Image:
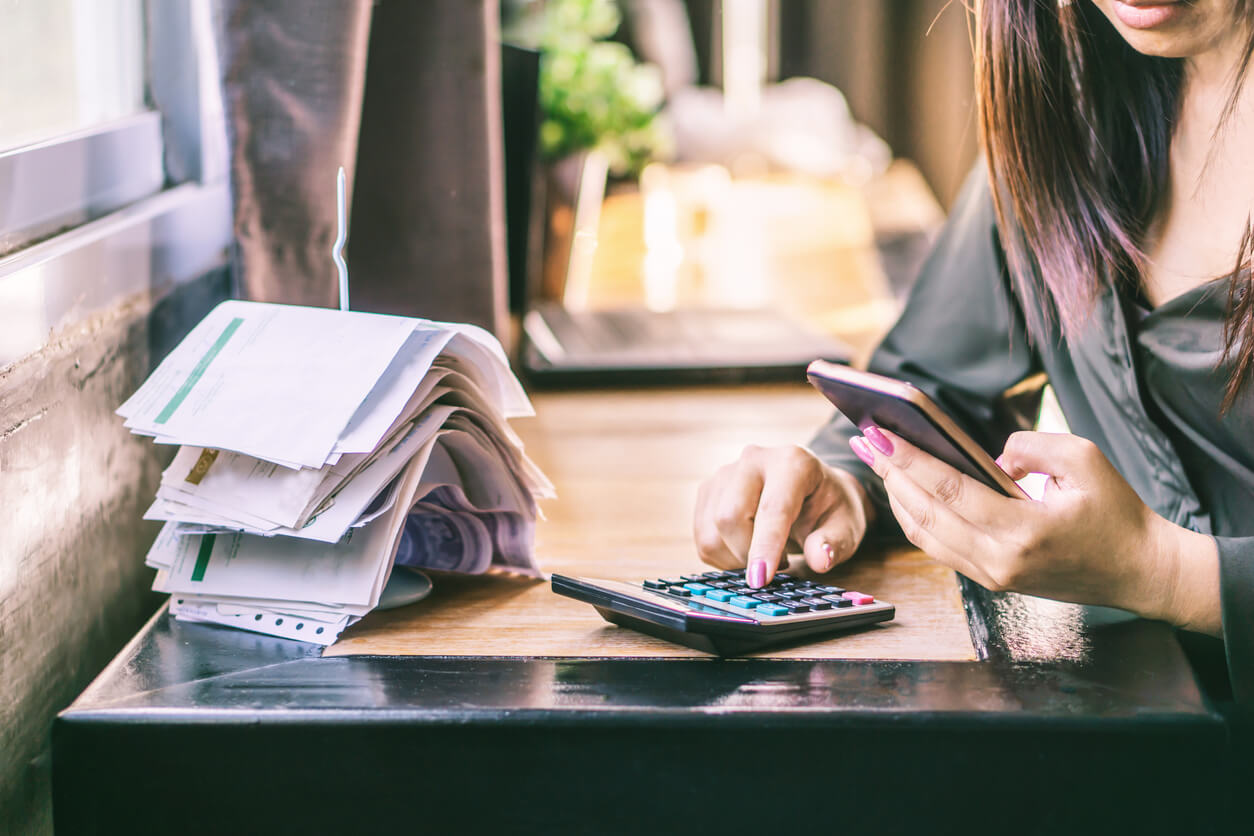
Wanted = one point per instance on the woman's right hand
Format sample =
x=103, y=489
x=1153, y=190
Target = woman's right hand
x=749, y=511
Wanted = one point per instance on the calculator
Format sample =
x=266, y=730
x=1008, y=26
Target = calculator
x=719, y=613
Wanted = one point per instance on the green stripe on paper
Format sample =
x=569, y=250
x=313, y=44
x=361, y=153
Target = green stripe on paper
x=202, y=558
x=199, y=371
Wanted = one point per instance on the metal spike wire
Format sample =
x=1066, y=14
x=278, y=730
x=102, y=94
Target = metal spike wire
x=341, y=235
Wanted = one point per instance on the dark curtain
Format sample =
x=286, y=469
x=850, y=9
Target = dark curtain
x=428, y=233
x=292, y=80
x=406, y=96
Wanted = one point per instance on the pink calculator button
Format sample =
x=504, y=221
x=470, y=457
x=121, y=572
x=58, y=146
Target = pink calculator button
x=859, y=597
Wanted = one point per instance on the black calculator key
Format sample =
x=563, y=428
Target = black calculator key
x=674, y=582
x=692, y=578
x=817, y=603
x=717, y=584
x=680, y=591
x=833, y=590
x=655, y=584
x=767, y=597
x=838, y=601
x=782, y=577
x=794, y=606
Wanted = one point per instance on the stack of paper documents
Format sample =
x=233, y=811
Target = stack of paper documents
x=318, y=447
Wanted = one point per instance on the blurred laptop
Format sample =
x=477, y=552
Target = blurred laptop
x=689, y=345
x=564, y=346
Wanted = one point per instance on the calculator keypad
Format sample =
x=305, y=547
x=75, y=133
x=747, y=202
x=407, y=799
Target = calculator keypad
x=784, y=595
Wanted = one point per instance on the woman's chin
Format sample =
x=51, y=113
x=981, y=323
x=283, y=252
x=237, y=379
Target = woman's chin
x=1157, y=44
x=1168, y=30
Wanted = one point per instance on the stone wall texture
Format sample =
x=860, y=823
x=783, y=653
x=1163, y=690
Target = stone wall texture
x=73, y=487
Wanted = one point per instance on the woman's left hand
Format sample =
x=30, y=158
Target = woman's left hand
x=1090, y=539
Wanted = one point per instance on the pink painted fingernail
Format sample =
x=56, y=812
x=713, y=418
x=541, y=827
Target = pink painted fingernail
x=757, y=573
x=831, y=556
x=879, y=440
x=861, y=450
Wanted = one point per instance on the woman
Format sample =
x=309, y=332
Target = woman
x=1119, y=136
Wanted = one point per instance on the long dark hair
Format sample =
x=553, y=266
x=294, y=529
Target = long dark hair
x=1077, y=128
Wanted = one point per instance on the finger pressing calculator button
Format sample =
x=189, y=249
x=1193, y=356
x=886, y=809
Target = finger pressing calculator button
x=859, y=598
x=772, y=609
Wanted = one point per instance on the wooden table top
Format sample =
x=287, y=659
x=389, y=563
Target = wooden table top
x=626, y=465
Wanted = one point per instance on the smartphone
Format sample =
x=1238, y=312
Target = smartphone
x=874, y=400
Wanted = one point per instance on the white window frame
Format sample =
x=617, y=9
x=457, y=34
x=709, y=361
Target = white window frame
x=64, y=182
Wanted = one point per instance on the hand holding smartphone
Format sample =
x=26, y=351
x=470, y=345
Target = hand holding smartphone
x=874, y=400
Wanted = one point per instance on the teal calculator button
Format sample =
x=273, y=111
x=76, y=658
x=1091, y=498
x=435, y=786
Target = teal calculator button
x=744, y=602
x=772, y=609
x=697, y=588
x=719, y=595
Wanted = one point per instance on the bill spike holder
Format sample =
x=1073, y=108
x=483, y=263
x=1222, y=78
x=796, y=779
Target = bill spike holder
x=405, y=585
x=341, y=236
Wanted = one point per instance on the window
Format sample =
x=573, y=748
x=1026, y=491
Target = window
x=68, y=65
x=111, y=158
